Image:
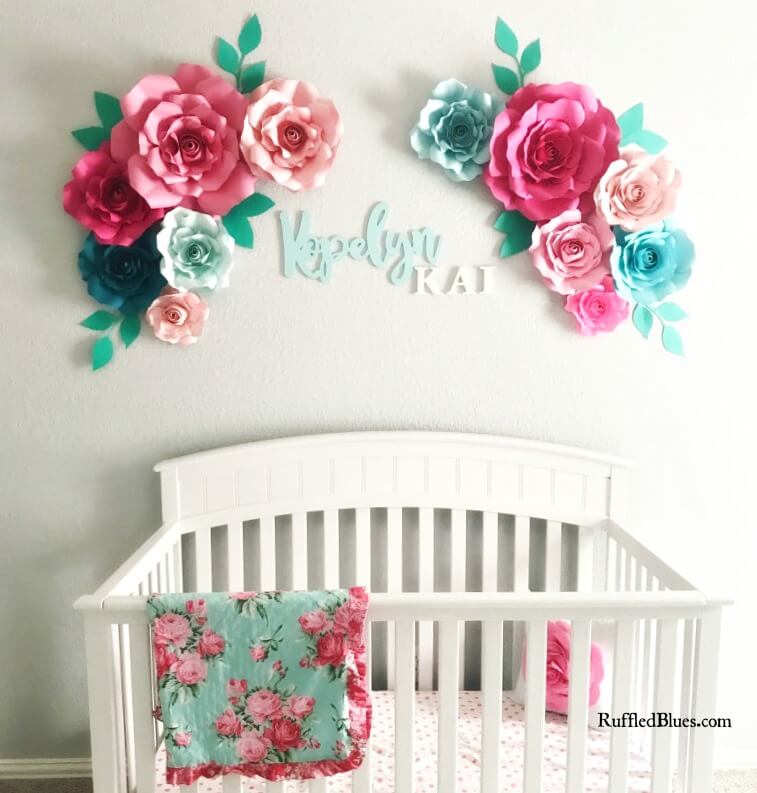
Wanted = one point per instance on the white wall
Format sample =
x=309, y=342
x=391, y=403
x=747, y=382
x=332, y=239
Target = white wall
x=290, y=356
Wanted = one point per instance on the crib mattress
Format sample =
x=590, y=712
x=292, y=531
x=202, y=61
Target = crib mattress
x=469, y=738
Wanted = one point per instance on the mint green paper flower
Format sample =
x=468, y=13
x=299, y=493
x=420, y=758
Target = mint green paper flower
x=454, y=129
x=197, y=250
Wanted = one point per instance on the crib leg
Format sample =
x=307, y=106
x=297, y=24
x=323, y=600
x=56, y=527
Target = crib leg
x=704, y=688
x=98, y=637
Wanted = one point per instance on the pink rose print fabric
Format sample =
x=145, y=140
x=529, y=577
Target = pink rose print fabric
x=265, y=684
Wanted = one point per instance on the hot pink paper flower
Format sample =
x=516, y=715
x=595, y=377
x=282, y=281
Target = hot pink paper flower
x=291, y=134
x=190, y=669
x=178, y=316
x=100, y=197
x=549, y=148
x=570, y=253
x=180, y=139
x=263, y=705
x=171, y=629
x=599, y=309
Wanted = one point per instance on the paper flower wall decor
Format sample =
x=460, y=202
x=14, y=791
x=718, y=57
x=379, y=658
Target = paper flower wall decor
x=170, y=181
x=587, y=194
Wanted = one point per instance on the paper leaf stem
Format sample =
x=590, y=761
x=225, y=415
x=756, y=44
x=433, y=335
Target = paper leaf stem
x=108, y=110
x=632, y=130
x=251, y=77
x=531, y=57
x=631, y=121
x=670, y=312
x=649, y=141
x=100, y=320
x=90, y=137
x=250, y=35
x=102, y=352
x=227, y=56
x=507, y=80
x=240, y=229
x=643, y=319
x=505, y=38
x=253, y=205
x=129, y=329
x=518, y=230
x=671, y=340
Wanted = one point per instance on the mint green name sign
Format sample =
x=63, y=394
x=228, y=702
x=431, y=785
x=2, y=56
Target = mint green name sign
x=396, y=252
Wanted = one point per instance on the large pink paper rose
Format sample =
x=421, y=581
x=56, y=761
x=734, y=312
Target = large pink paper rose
x=599, y=309
x=100, y=197
x=549, y=148
x=570, y=253
x=558, y=668
x=180, y=138
x=291, y=134
x=178, y=316
x=637, y=190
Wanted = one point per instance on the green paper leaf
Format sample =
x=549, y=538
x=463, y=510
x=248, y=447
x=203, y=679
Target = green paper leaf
x=670, y=312
x=100, y=320
x=505, y=38
x=672, y=341
x=631, y=121
x=226, y=56
x=649, y=141
x=102, y=352
x=643, y=319
x=531, y=57
x=518, y=230
x=250, y=35
x=240, y=229
x=252, y=76
x=108, y=109
x=253, y=205
x=129, y=329
x=507, y=80
x=90, y=137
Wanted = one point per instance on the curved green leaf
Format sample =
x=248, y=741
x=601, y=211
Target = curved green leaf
x=518, y=230
x=100, y=320
x=253, y=205
x=102, y=352
x=672, y=341
x=649, y=141
x=670, y=312
x=505, y=38
x=507, y=80
x=90, y=137
x=129, y=329
x=643, y=319
x=252, y=76
x=531, y=57
x=226, y=56
x=108, y=109
x=631, y=121
x=240, y=229
x=250, y=35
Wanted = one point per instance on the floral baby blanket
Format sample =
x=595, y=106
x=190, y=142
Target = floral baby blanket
x=269, y=684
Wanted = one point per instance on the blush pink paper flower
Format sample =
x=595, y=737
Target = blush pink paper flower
x=291, y=134
x=178, y=316
x=100, y=197
x=180, y=139
x=549, y=148
x=637, y=190
x=570, y=253
x=599, y=309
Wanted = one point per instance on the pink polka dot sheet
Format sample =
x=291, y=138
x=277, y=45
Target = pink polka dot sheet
x=469, y=742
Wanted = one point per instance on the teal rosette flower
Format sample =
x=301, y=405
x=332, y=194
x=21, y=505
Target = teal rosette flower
x=126, y=278
x=454, y=129
x=650, y=264
x=197, y=250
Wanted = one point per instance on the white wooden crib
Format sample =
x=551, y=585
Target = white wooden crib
x=465, y=541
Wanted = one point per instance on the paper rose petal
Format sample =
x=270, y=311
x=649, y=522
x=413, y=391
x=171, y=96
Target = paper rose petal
x=178, y=316
x=599, y=309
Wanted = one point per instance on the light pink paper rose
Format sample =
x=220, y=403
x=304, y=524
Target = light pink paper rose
x=180, y=139
x=171, y=629
x=291, y=134
x=190, y=669
x=252, y=747
x=637, y=190
x=570, y=253
x=263, y=704
x=549, y=148
x=178, y=316
x=599, y=309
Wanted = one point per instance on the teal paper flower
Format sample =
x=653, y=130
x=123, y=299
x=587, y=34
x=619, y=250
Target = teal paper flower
x=454, y=129
x=197, y=250
x=650, y=264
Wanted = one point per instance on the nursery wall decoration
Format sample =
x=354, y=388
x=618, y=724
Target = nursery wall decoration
x=169, y=183
x=587, y=194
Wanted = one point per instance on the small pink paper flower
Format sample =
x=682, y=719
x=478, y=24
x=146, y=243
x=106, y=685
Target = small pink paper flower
x=599, y=309
x=258, y=653
x=291, y=134
x=178, y=316
x=190, y=669
x=183, y=738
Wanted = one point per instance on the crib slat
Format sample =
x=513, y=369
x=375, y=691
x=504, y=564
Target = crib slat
x=489, y=560
x=232, y=783
x=536, y=663
x=276, y=787
x=128, y=700
x=363, y=547
x=621, y=703
x=203, y=560
x=425, y=584
x=685, y=708
x=522, y=539
x=491, y=696
x=178, y=567
x=331, y=549
x=404, y=705
x=162, y=575
x=448, y=679
x=299, y=553
x=585, y=557
x=457, y=582
x=235, y=552
x=141, y=681
x=599, y=562
x=554, y=556
x=318, y=786
x=578, y=704
x=267, y=554
x=393, y=578
x=664, y=696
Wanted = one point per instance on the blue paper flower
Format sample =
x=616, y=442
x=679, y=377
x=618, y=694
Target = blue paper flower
x=123, y=278
x=454, y=129
x=650, y=264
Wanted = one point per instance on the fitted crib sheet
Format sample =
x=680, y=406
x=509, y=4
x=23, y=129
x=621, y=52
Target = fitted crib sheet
x=469, y=738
